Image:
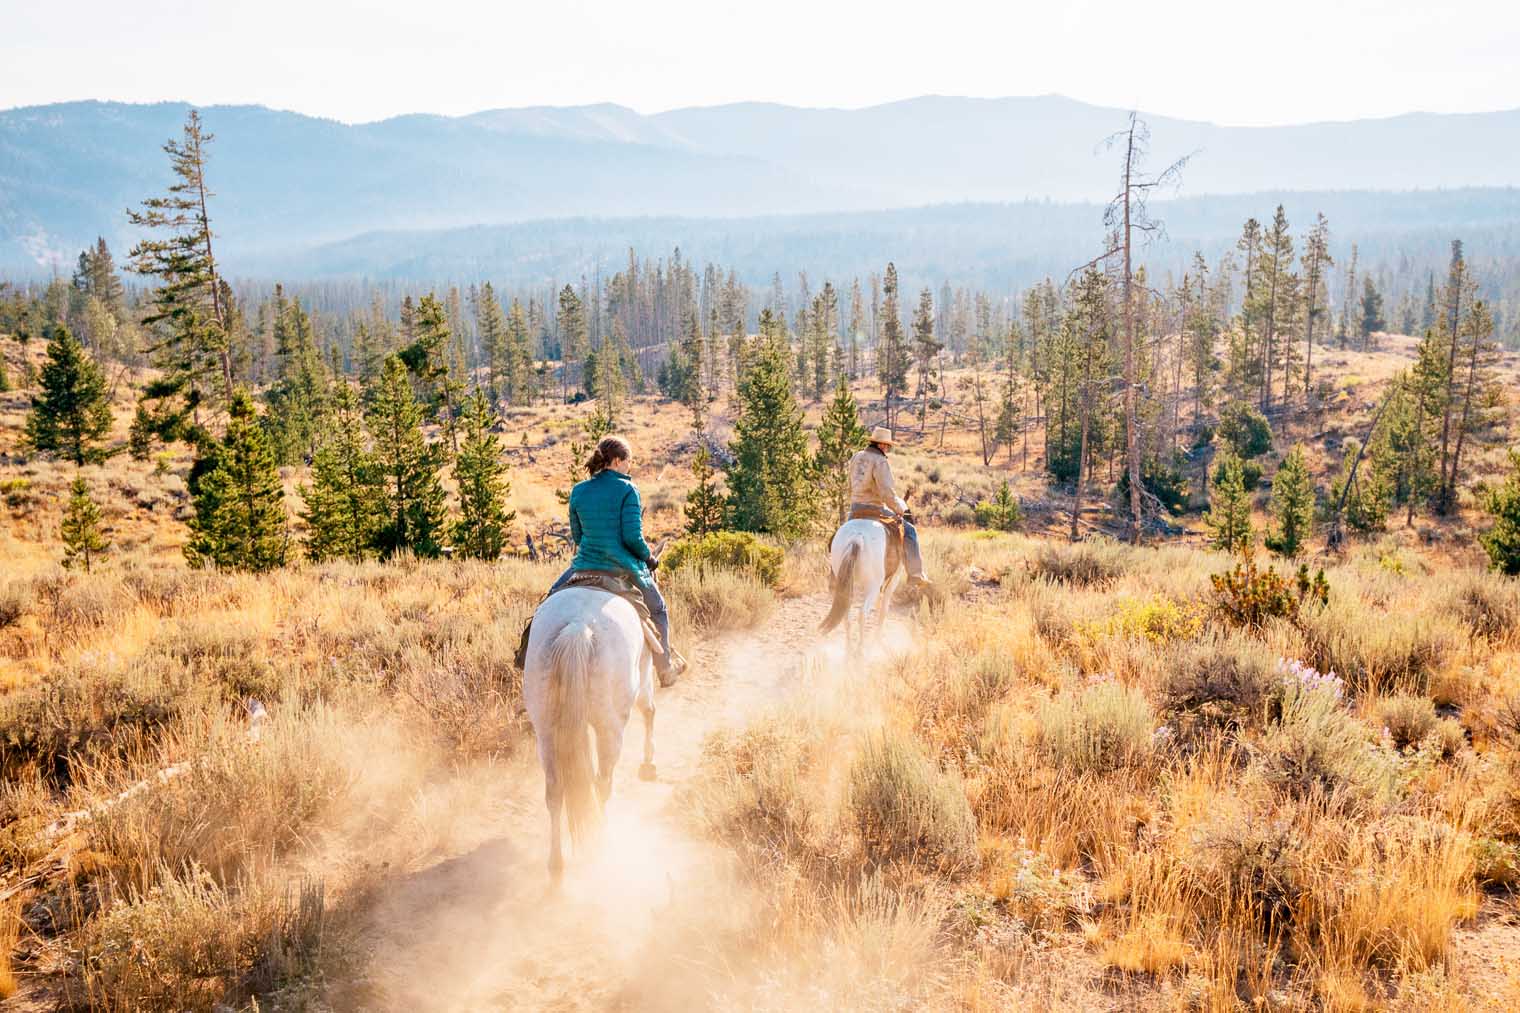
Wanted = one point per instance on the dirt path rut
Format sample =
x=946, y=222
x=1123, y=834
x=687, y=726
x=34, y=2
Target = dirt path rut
x=481, y=930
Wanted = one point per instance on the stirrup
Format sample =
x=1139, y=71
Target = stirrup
x=672, y=670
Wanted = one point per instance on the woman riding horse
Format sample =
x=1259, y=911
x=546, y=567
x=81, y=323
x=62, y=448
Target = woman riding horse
x=607, y=527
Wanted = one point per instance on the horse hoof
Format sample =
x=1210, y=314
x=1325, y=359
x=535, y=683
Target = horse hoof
x=646, y=772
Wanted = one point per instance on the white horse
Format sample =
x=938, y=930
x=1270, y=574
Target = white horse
x=858, y=562
x=587, y=666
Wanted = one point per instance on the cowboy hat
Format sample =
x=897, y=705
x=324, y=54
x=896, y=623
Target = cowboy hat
x=882, y=435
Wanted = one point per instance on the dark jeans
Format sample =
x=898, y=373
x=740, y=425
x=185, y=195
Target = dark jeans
x=653, y=600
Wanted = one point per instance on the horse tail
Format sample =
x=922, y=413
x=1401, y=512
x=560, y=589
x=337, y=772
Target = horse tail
x=569, y=716
x=844, y=588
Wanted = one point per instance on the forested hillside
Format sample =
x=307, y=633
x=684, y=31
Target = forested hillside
x=285, y=181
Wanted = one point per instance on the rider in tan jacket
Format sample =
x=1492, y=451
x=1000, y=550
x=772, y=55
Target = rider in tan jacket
x=871, y=485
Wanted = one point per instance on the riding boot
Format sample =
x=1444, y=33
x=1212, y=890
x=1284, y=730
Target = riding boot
x=668, y=664
x=913, y=559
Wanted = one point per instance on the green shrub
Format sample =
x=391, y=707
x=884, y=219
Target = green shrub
x=1103, y=727
x=907, y=808
x=1250, y=596
x=730, y=550
x=1001, y=513
x=1245, y=430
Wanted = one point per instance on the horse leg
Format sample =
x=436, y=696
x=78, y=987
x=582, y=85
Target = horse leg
x=554, y=801
x=866, y=605
x=609, y=744
x=646, y=708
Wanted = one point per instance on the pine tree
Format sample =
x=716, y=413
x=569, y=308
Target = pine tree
x=840, y=435
x=572, y=336
x=770, y=481
x=414, y=500
x=519, y=379
x=427, y=357
x=1401, y=447
x=1278, y=298
x=892, y=358
x=1292, y=505
x=190, y=312
x=296, y=397
x=1230, y=506
x=1477, y=390
x=82, y=540
x=480, y=532
x=1366, y=501
x=344, y=509
x=1316, y=259
x=239, y=521
x=925, y=348
x=704, y=503
x=1371, y=319
x=1502, y=541
x=72, y=413
x=494, y=343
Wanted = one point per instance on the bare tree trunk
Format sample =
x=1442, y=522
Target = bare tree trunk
x=1131, y=440
x=1443, y=495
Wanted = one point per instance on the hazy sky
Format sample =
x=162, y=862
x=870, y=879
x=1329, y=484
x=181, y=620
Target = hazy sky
x=1222, y=60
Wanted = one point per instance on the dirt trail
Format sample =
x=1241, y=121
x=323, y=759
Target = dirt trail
x=482, y=931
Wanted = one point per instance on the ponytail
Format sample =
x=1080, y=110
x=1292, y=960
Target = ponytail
x=609, y=451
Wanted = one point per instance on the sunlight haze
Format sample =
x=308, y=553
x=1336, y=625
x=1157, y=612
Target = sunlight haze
x=358, y=62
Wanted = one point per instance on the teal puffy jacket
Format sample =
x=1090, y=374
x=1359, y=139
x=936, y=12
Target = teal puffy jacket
x=607, y=526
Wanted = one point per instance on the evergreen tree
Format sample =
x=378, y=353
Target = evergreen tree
x=494, y=343
x=72, y=412
x=1366, y=501
x=1502, y=541
x=892, y=358
x=1372, y=312
x=414, y=499
x=344, y=509
x=1278, y=298
x=82, y=540
x=1401, y=447
x=519, y=381
x=239, y=521
x=925, y=350
x=427, y=357
x=1230, y=506
x=770, y=481
x=190, y=312
x=840, y=435
x=300, y=386
x=1316, y=260
x=1292, y=505
x=704, y=503
x=480, y=532
x=572, y=336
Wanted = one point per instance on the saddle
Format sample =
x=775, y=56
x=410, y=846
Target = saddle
x=622, y=585
x=894, y=525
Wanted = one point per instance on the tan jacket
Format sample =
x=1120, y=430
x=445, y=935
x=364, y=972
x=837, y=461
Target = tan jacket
x=871, y=481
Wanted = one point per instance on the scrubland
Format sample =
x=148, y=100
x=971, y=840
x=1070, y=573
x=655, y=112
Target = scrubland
x=1064, y=781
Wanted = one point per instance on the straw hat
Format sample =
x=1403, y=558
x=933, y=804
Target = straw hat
x=882, y=435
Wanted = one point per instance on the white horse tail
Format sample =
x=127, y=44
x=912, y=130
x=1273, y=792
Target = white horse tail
x=569, y=716
x=844, y=588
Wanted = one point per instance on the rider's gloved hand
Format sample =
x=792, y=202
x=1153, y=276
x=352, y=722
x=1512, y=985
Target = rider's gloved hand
x=654, y=562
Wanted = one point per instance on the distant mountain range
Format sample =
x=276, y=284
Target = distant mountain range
x=288, y=186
